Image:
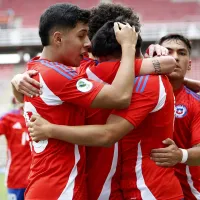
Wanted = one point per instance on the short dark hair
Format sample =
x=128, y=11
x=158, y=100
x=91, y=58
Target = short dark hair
x=108, y=12
x=60, y=16
x=104, y=41
x=176, y=37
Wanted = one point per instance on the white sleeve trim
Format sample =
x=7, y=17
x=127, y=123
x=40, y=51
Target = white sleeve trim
x=93, y=76
x=162, y=96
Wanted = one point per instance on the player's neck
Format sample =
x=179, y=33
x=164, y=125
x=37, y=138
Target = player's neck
x=48, y=54
x=176, y=84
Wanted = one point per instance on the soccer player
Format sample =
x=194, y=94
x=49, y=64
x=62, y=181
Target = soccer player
x=149, y=119
x=58, y=168
x=13, y=126
x=184, y=151
x=101, y=188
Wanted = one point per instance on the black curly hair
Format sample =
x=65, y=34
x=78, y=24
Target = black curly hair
x=104, y=41
x=61, y=15
x=107, y=12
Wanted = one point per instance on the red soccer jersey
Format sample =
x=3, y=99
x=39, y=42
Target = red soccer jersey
x=186, y=135
x=152, y=114
x=13, y=126
x=104, y=184
x=58, y=168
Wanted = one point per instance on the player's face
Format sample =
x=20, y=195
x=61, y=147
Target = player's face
x=74, y=45
x=179, y=51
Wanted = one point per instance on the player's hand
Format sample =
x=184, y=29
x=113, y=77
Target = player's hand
x=39, y=128
x=168, y=156
x=125, y=34
x=26, y=85
x=156, y=50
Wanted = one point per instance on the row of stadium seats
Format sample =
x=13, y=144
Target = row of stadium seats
x=150, y=11
x=165, y=10
x=30, y=11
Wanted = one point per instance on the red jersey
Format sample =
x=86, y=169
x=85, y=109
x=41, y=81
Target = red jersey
x=58, y=167
x=103, y=185
x=186, y=135
x=152, y=114
x=13, y=126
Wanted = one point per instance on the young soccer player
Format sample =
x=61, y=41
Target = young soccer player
x=105, y=185
x=152, y=104
x=63, y=32
x=13, y=126
x=187, y=122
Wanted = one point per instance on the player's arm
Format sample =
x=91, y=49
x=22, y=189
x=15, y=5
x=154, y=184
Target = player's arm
x=157, y=61
x=118, y=124
x=192, y=84
x=158, y=65
x=91, y=135
x=23, y=84
x=118, y=94
x=171, y=155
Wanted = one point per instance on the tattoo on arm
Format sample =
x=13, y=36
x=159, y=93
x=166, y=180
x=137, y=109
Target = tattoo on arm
x=157, y=67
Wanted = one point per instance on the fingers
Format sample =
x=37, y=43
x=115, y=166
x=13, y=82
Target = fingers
x=168, y=141
x=34, y=117
x=30, y=130
x=156, y=50
x=32, y=72
x=33, y=82
x=28, y=88
x=160, y=150
x=25, y=91
x=160, y=159
x=164, y=164
x=151, y=50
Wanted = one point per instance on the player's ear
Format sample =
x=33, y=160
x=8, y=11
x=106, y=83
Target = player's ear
x=57, y=38
x=189, y=66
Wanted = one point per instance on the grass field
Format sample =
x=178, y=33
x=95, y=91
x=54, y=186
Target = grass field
x=2, y=188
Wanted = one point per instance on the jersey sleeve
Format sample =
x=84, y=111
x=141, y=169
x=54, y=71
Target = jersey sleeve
x=145, y=98
x=62, y=84
x=195, y=127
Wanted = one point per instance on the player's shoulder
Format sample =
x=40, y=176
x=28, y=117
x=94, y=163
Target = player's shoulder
x=192, y=98
x=86, y=63
x=146, y=82
x=103, y=71
x=192, y=95
x=52, y=69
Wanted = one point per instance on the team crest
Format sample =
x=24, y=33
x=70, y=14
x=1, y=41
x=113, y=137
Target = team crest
x=84, y=85
x=181, y=111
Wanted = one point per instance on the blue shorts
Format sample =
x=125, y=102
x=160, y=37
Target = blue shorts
x=16, y=194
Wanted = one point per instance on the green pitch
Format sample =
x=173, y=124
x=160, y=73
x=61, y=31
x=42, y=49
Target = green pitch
x=3, y=193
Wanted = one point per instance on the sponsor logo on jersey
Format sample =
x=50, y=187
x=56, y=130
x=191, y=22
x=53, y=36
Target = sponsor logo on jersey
x=181, y=111
x=84, y=85
x=17, y=125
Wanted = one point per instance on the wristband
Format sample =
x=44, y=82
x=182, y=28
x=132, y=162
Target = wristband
x=185, y=155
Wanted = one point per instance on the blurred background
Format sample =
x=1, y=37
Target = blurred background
x=19, y=40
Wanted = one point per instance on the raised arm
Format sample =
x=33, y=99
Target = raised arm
x=158, y=65
x=118, y=94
